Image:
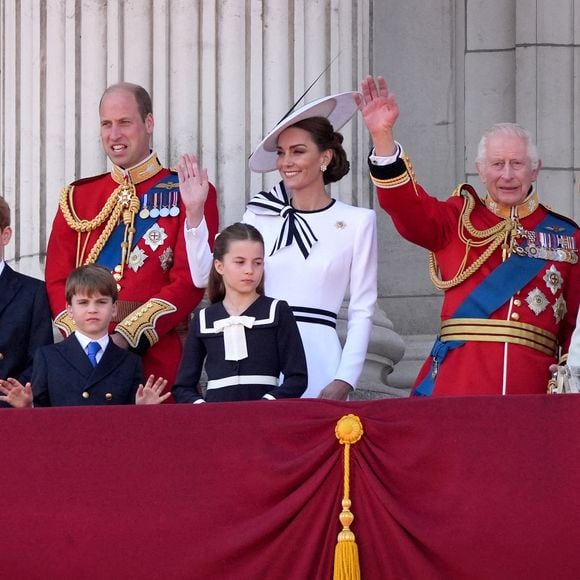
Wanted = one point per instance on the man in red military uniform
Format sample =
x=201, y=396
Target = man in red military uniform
x=507, y=265
x=130, y=220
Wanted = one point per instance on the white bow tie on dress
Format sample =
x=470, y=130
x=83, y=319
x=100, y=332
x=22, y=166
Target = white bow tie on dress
x=233, y=328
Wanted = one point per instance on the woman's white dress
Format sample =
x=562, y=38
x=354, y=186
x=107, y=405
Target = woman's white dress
x=342, y=260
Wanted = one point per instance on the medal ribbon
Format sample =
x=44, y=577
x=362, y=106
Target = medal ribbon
x=109, y=256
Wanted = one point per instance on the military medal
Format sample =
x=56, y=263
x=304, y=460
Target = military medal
x=144, y=213
x=154, y=213
x=164, y=211
x=174, y=210
x=549, y=246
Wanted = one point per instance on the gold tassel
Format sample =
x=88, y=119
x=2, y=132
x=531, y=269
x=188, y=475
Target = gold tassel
x=348, y=431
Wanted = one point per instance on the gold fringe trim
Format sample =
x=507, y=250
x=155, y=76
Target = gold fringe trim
x=64, y=322
x=348, y=431
x=142, y=322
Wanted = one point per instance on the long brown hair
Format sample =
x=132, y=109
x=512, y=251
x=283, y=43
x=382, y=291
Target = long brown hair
x=237, y=232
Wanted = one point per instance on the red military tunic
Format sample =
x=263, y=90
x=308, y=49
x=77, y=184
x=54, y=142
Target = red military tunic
x=156, y=293
x=511, y=357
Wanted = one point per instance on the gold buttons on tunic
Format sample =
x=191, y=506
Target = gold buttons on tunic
x=515, y=316
x=517, y=302
x=108, y=396
x=85, y=395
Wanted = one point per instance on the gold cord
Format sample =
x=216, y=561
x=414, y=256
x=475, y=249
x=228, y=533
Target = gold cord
x=492, y=237
x=123, y=201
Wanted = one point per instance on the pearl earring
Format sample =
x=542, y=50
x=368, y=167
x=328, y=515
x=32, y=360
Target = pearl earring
x=323, y=168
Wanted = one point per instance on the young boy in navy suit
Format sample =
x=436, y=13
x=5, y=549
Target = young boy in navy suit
x=25, y=321
x=87, y=368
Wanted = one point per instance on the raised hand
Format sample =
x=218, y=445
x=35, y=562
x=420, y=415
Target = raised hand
x=16, y=394
x=150, y=393
x=193, y=186
x=379, y=111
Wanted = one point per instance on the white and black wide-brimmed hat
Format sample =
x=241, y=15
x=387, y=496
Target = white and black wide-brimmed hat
x=338, y=109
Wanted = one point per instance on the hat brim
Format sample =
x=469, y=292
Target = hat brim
x=338, y=109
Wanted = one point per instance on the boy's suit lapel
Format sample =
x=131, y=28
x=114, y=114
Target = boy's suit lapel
x=77, y=357
x=9, y=286
x=72, y=351
x=112, y=358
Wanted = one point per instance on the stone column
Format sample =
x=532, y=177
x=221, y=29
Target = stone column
x=221, y=74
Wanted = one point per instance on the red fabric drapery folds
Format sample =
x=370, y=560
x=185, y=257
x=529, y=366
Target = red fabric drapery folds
x=476, y=488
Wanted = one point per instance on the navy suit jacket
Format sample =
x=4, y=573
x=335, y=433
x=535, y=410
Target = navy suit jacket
x=25, y=323
x=63, y=375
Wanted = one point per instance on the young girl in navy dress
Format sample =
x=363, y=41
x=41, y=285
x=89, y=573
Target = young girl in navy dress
x=250, y=343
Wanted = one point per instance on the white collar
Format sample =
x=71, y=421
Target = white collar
x=84, y=340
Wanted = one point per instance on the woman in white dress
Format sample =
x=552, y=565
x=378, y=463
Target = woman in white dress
x=317, y=248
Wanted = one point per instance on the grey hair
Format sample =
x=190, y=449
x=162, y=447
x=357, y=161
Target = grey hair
x=513, y=130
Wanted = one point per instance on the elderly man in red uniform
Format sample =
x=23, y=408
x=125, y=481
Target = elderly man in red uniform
x=131, y=221
x=507, y=264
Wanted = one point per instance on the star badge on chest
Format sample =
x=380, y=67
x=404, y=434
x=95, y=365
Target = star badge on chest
x=537, y=301
x=560, y=309
x=166, y=259
x=137, y=259
x=553, y=279
x=155, y=236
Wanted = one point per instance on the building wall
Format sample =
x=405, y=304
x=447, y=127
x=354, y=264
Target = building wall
x=221, y=74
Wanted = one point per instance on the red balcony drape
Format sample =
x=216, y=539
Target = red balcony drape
x=478, y=488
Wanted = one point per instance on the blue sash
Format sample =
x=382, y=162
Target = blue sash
x=491, y=293
x=110, y=254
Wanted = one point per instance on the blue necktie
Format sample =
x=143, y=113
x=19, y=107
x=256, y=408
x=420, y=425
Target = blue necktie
x=92, y=349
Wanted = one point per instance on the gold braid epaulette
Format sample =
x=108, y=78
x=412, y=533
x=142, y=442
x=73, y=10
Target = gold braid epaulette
x=492, y=237
x=64, y=322
x=123, y=200
x=142, y=321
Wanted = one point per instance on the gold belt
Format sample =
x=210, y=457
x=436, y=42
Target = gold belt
x=484, y=330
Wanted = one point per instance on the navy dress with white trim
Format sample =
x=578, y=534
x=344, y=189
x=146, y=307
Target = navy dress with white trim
x=275, y=365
